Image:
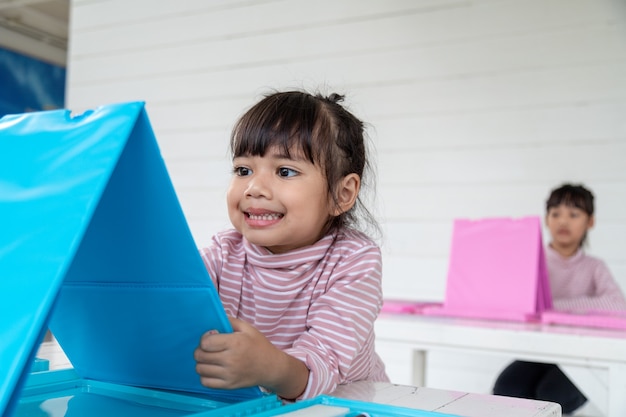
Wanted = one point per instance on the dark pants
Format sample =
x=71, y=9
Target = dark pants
x=539, y=381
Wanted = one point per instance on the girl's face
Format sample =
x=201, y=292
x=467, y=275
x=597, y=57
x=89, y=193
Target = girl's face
x=567, y=225
x=278, y=202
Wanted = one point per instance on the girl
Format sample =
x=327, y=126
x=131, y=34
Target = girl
x=301, y=284
x=578, y=282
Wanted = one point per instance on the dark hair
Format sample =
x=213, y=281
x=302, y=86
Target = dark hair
x=574, y=196
x=316, y=126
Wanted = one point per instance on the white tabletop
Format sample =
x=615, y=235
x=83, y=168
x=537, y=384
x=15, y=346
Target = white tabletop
x=594, y=358
x=446, y=402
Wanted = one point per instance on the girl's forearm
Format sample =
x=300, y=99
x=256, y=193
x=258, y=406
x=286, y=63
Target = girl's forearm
x=287, y=376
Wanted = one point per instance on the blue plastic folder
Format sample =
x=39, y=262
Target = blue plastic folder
x=94, y=244
x=328, y=406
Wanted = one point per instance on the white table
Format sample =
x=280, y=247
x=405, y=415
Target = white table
x=404, y=342
x=447, y=402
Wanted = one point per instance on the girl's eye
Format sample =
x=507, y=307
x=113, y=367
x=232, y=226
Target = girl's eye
x=242, y=171
x=287, y=172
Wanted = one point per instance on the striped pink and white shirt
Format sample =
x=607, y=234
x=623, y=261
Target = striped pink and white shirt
x=316, y=303
x=582, y=283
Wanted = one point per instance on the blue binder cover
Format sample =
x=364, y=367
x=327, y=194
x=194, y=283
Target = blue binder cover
x=94, y=244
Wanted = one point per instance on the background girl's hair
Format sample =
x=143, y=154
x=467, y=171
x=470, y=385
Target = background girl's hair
x=571, y=195
x=321, y=130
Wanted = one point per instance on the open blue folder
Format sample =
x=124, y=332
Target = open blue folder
x=94, y=244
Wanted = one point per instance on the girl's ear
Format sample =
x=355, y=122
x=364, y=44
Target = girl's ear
x=591, y=222
x=347, y=193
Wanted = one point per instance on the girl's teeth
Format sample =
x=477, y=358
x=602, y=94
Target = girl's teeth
x=264, y=216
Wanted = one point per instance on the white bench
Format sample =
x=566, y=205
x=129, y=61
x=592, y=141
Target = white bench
x=404, y=342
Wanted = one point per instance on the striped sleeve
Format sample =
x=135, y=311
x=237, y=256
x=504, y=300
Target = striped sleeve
x=604, y=293
x=338, y=346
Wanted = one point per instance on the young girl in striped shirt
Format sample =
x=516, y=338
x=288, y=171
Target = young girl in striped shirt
x=578, y=283
x=301, y=283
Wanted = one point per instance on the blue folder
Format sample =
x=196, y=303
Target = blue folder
x=95, y=246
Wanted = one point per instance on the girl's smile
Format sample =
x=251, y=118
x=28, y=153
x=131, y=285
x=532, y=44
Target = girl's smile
x=262, y=218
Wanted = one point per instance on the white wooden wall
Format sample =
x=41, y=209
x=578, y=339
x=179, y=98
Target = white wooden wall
x=477, y=107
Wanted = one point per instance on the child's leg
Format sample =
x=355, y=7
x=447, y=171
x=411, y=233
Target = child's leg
x=556, y=387
x=521, y=379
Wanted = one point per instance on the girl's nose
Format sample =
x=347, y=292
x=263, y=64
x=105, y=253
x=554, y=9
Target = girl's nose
x=258, y=186
x=562, y=220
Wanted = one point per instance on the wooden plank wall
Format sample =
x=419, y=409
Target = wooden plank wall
x=477, y=108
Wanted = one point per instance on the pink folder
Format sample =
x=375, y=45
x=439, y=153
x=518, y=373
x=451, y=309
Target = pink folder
x=497, y=270
x=395, y=306
x=598, y=319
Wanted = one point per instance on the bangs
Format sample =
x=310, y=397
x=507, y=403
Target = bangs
x=290, y=130
x=572, y=197
x=569, y=200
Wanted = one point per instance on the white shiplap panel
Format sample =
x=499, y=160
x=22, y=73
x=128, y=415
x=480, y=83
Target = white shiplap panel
x=480, y=371
x=213, y=114
x=439, y=202
x=256, y=49
x=608, y=199
x=170, y=26
x=504, y=54
x=104, y=14
x=200, y=144
x=414, y=278
x=436, y=202
x=292, y=43
x=536, y=125
x=89, y=15
x=598, y=85
x=196, y=173
x=607, y=240
x=576, y=85
x=418, y=239
x=204, y=205
x=618, y=269
x=601, y=162
x=203, y=231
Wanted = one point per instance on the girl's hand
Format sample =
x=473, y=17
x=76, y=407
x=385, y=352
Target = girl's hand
x=246, y=358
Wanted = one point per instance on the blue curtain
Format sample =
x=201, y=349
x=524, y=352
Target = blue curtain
x=28, y=84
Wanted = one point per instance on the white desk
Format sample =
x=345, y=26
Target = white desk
x=404, y=340
x=446, y=402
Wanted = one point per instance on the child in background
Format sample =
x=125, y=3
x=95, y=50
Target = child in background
x=578, y=283
x=300, y=283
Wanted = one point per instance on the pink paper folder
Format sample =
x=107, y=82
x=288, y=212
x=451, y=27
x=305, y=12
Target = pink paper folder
x=496, y=271
x=599, y=319
x=406, y=306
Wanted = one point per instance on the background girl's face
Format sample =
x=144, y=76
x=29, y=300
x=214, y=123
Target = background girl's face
x=278, y=202
x=568, y=225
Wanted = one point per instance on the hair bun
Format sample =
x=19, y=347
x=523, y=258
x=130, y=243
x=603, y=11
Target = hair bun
x=335, y=98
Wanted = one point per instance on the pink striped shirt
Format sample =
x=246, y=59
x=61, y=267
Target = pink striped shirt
x=317, y=303
x=582, y=282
